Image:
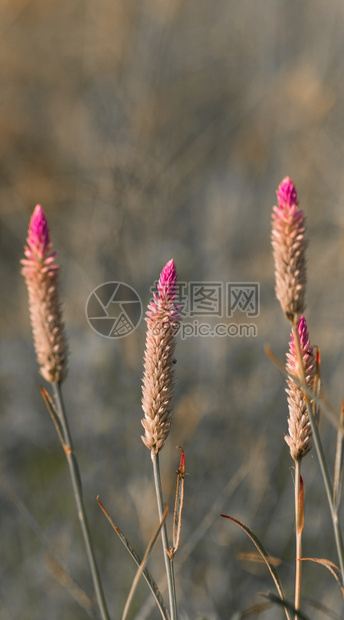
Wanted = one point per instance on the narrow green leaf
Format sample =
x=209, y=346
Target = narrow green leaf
x=54, y=414
x=264, y=555
x=142, y=565
x=283, y=603
x=141, y=562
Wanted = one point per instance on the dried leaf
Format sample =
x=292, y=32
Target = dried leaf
x=333, y=568
x=257, y=558
x=301, y=507
x=178, y=505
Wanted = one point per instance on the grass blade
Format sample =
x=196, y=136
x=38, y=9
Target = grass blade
x=142, y=565
x=54, y=414
x=264, y=554
x=283, y=603
x=141, y=562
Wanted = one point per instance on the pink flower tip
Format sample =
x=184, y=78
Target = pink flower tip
x=286, y=194
x=38, y=235
x=303, y=335
x=168, y=282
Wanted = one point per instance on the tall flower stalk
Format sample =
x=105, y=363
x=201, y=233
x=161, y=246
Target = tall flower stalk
x=41, y=276
x=289, y=252
x=162, y=320
x=299, y=430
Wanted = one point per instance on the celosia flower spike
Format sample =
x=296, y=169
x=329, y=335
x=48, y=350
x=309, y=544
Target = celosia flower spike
x=299, y=426
x=162, y=320
x=41, y=276
x=289, y=246
x=168, y=282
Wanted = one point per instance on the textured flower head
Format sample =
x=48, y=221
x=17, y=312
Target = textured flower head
x=286, y=194
x=168, y=282
x=163, y=306
x=41, y=276
x=299, y=427
x=38, y=239
x=289, y=247
x=162, y=320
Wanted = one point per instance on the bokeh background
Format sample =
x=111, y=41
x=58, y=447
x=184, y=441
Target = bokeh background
x=150, y=129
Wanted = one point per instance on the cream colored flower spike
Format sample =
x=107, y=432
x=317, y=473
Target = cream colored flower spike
x=41, y=277
x=163, y=321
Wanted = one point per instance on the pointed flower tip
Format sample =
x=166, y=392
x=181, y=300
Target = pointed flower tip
x=305, y=346
x=38, y=235
x=168, y=281
x=302, y=326
x=303, y=333
x=286, y=193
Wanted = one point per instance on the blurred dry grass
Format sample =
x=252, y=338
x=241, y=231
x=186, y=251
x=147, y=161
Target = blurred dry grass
x=149, y=130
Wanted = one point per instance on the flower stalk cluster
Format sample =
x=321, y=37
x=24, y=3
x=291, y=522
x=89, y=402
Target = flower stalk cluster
x=289, y=246
x=41, y=276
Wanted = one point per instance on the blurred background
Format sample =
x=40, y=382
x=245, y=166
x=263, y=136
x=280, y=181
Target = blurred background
x=150, y=130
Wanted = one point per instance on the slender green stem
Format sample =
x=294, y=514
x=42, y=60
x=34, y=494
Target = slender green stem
x=322, y=461
x=298, y=534
x=76, y=482
x=168, y=561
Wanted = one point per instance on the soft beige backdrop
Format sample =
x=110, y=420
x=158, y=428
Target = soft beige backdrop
x=148, y=130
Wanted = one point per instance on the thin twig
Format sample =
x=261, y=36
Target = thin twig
x=168, y=561
x=298, y=533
